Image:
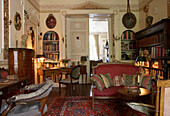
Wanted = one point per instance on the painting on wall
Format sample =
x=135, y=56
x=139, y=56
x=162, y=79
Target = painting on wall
x=17, y=21
x=51, y=21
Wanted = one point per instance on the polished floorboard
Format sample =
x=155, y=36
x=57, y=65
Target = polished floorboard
x=78, y=90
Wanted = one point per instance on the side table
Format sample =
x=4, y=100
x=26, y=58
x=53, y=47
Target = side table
x=83, y=72
x=127, y=95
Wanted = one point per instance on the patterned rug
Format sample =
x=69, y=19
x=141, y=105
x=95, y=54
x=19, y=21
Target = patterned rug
x=82, y=106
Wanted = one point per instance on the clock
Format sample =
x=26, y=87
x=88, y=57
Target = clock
x=129, y=20
x=51, y=21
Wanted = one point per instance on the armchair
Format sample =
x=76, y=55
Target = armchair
x=31, y=104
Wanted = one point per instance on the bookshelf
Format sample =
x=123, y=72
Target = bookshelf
x=154, y=43
x=51, y=46
x=128, y=46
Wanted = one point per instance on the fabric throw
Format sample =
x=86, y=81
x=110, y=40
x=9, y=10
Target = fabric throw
x=107, y=80
x=146, y=82
x=118, y=81
x=129, y=80
x=98, y=82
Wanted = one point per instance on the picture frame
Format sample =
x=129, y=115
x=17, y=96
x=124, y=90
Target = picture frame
x=51, y=21
x=17, y=21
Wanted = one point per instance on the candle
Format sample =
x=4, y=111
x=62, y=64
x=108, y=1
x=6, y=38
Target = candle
x=138, y=79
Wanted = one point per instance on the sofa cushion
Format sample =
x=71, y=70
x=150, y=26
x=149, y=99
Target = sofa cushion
x=111, y=91
x=98, y=82
x=3, y=74
x=107, y=80
x=146, y=82
x=118, y=81
x=129, y=80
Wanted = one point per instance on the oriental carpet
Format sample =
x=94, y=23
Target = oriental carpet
x=82, y=106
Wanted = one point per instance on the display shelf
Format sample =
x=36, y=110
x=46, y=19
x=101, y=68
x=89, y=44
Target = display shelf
x=51, y=46
x=154, y=43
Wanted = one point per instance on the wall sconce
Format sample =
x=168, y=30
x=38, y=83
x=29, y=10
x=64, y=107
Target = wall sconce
x=116, y=38
x=30, y=31
x=5, y=18
x=40, y=36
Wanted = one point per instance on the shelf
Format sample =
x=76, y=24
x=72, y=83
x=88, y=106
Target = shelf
x=127, y=40
x=50, y=41
x=128, y=49
x=52, y=51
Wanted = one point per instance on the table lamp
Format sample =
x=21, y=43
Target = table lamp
x=83, y=59
x=140, y=59
x=40, y=59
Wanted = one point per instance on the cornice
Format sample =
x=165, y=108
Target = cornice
x=87, y=6
x=35, y=4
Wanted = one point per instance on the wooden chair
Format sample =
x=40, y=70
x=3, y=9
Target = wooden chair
x=162, y=98
x=31, y=104
x=74, y=78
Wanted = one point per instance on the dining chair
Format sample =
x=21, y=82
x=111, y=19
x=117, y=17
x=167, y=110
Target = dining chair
x=72, y=80
x=30, y=104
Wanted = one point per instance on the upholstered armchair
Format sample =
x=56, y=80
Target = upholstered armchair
x=31, y=104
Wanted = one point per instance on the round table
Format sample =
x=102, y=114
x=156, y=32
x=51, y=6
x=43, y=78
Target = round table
x=132, y=94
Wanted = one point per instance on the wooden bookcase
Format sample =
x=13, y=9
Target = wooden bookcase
x=154, y=43
x=51, y=45
x=21, y=63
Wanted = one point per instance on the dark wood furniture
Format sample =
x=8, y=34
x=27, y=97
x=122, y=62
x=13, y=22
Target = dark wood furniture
x=8, y=90
x=21, y=63
x=83, y=72
x=154, y=43
x=132, y=94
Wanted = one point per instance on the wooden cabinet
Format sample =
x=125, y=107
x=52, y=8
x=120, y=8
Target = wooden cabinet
x=128, y=46
x=154, y=43
x=21, y=62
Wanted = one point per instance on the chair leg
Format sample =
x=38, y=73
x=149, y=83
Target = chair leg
x=59, y=89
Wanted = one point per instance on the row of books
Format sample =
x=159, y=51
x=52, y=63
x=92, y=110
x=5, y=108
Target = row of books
x=51, y=47
x=128, y=35
x=157, y=51
x=54, y=57
x=51, y=36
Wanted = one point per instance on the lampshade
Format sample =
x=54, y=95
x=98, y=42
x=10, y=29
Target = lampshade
x=83, y=58
x=141, y=58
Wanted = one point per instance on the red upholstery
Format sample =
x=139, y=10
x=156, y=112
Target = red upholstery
x=3, y=74
x=111, y=91
x=113, y=69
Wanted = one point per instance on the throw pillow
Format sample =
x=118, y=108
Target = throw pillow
x=129, y=80
x=118, y=81
x=107, y=80
x=146, y=82
x=98, y=82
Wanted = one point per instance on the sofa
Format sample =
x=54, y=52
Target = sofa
x=114, y=69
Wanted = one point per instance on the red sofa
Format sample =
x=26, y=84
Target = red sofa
x=114, y=69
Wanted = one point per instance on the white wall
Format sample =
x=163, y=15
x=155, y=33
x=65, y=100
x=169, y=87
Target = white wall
x=157, y=8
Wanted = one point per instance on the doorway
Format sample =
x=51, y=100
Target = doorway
x=99, y=37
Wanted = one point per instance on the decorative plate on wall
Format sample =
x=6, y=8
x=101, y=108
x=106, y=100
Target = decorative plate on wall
x=51, y=21
x=17, y=21
x=129, y=19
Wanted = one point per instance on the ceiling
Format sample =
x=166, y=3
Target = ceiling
x=67, y=4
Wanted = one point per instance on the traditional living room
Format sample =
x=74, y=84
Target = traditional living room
x=85, y=57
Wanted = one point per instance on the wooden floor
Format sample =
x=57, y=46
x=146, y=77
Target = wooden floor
x=78, y=90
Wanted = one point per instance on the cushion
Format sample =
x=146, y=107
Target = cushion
x=129, y=80
x=118, y=81
x=146, y=82
x=107, y=80
x=98, y=82
x=4, y=74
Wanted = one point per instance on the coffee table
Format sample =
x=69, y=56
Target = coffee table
x=131, y=94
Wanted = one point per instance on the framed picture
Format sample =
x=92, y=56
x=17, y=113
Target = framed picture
x=17, y=21
x=51, y=21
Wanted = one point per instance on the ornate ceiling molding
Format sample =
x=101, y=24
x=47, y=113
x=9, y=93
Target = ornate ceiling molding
x=35, y=4
x=142, y=3
x=89, y=5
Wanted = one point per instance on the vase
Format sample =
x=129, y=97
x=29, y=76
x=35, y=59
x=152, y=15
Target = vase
x=65, y=64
